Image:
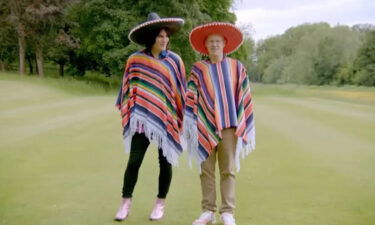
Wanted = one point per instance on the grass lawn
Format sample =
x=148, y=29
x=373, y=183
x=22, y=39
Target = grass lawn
x=62, y=158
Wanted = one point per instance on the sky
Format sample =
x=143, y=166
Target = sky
x=272, y=17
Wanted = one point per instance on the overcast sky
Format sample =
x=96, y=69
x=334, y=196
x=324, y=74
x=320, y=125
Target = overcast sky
x=272, y=17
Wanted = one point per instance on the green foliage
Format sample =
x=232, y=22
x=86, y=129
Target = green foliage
x=8, y=39
x=63, y=46
x=337, y=47
x=365, y=62
x=92, y=35
x=309, y=54
x=8, y=47
x=245, y=53
x=218, y=10
x=344, y=74
x=43, y=19
x=103, y=27
x=266, y=52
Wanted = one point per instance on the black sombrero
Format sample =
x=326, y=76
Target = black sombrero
x=139, y=34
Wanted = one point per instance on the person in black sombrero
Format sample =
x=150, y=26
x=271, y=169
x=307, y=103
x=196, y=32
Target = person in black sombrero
x=152, y=101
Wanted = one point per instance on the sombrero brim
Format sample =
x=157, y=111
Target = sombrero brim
x=231, y=34
x=139, y=34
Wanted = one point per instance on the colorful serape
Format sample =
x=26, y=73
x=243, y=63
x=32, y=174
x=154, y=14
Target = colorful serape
x=218, y=97
x=152, y=100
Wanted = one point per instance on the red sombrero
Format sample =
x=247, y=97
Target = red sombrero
x=231, y=34
x=140, y=33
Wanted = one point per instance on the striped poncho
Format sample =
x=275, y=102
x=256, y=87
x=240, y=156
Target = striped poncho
x=152, y=101
x=218, y=97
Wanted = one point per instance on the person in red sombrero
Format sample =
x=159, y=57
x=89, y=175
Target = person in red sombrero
x=218, y=122
x=152, y=102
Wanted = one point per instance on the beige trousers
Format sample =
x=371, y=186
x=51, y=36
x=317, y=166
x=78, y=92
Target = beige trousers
x=225, y=153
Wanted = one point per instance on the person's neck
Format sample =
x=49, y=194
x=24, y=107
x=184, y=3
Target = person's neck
x=155, y=53
x=216, y=58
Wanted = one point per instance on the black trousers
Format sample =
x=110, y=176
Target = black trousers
x=138, y=149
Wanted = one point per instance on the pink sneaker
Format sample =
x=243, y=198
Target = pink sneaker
x=123, y=211
x=158, y=210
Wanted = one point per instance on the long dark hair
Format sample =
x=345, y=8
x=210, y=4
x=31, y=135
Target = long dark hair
x=152, y=37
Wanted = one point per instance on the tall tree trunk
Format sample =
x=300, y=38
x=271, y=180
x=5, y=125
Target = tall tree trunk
x=30, y=62
x=61, y=69
x=39, y=60
x=36, y=66
x=2, y=65
x=16, y=12
x=21, y=45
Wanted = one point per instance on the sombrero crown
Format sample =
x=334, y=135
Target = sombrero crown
x=232, y=35
x=140, y=33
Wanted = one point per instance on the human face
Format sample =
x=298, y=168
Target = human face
x=161, y=42
x=215, y=45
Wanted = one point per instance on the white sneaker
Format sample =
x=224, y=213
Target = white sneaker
x=228, y=219
x=207, y=217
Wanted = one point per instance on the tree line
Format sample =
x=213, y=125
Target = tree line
x=91, y=35
x=82, y=35
x=318, y=54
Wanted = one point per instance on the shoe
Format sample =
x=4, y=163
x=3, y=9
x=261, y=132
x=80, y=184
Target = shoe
x=208, y=217
x=228, y=219
x=158, y=210
x=123, y=211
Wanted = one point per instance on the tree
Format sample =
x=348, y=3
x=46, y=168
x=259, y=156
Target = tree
x=43, y=18
x=103, y=27
x=245, y=53
x=266, y=52
x=7, y=39
x=218, y=10
x=36, y=23
x=364, y=65
x=63, y=46
x=308, y=54
x=337, y=47
x=16, y=16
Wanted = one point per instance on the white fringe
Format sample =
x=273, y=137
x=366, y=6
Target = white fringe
x=190, y=139
x=190, y=142
x=243, y=149
x=140, y=123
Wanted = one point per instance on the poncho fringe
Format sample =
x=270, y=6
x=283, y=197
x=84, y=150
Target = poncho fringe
x=139, y=125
